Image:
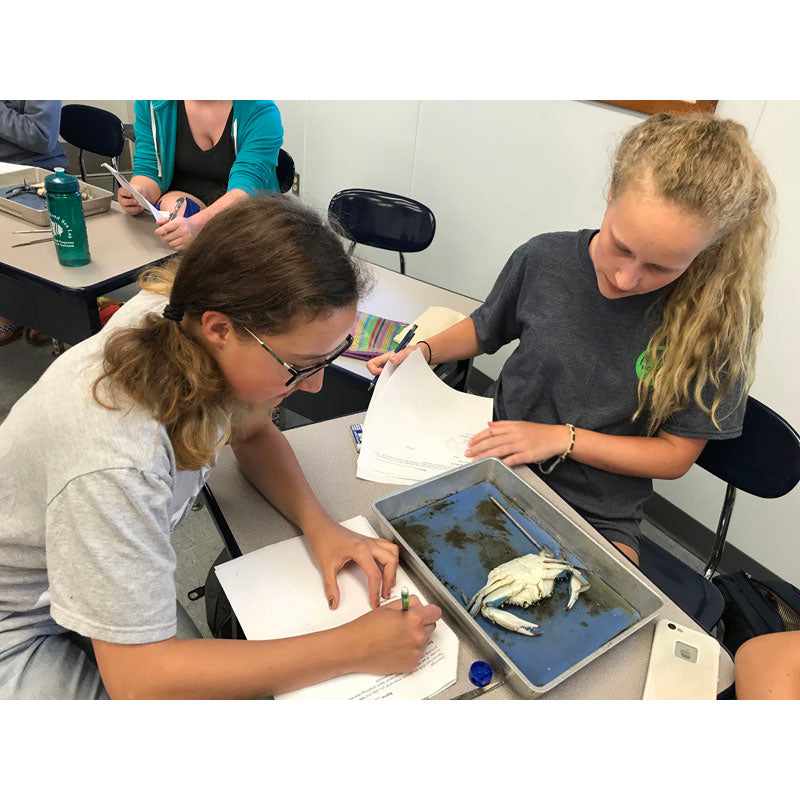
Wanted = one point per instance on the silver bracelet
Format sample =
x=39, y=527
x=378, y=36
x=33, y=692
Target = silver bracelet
x=564, y=455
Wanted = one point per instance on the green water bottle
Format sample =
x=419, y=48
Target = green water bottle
x=66, y=218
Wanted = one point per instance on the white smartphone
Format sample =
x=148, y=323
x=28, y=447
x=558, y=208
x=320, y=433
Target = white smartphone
x=684, y=664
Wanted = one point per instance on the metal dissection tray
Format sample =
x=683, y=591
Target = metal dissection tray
x=33, y=208
x=451, y=534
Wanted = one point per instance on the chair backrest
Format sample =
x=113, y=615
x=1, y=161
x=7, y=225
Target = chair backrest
x=285, y=171
x=764, y=460
x=92, y=129
x=384, y=220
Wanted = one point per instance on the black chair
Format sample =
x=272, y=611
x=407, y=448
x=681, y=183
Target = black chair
x=763, y=461
x=95, y=130
x=285, y=171
x=384, y=220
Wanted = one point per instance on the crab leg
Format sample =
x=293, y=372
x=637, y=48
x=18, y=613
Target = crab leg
x=509, y=621
x=489, y=589
x=577, y=584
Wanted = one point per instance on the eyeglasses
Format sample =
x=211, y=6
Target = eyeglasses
x=300, y=373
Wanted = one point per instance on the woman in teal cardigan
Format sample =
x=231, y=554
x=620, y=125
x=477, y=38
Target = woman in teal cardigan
x=212, y=153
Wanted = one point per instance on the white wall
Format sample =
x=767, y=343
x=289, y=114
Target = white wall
x=497, y=173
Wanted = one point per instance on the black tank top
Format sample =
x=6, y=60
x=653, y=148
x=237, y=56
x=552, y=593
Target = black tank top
x=203, y=173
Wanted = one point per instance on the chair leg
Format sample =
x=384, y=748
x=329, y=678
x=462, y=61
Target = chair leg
x=115, y=164
x=402, y=264
x=721, y=534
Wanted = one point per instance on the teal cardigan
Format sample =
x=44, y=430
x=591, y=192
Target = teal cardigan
x=257, y=137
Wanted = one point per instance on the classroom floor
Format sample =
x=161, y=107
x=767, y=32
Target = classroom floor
x=196, y=541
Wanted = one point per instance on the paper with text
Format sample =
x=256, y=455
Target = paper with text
x=277, y=592
x=417, y=426
x=140, y=198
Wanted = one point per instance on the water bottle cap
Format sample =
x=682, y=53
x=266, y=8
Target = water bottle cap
x=61, y=182
x=480, y=673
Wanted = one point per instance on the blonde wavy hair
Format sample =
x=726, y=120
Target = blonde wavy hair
x=267, y=263
x=711, y=316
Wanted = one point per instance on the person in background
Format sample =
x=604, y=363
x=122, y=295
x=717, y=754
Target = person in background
x=29, y=136
x=213, y=153
x=29, y=133
x=768, y=667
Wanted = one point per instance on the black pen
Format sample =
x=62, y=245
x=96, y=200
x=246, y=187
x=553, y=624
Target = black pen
x=403, y=342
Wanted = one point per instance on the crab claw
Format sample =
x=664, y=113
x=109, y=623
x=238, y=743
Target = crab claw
x=577, y=584
x=509, y=621
x=493, y=592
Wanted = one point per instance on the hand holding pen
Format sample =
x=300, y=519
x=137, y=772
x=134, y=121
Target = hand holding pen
x=403, y=343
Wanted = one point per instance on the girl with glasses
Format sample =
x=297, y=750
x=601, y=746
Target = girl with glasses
x=105, y=455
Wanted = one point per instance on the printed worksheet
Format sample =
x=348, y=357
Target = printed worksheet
x=140, y=198
x=277, y=592
x=416, y=425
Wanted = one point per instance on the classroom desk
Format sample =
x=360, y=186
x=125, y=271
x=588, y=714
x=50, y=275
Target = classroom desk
x=38, y=292
x=397, y=297
x=328, y=458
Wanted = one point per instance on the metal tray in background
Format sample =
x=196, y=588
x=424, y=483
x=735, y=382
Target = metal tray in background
x=36, y=213
x=450, y=535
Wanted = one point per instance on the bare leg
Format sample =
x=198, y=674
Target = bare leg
x=169, y=199
x=768, y=667
x=628, y=551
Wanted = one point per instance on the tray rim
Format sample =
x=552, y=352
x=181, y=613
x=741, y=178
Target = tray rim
x=479, y=637
x=15, y=209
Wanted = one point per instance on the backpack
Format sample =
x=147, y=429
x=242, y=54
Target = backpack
x=221, y=620
x=754, y=607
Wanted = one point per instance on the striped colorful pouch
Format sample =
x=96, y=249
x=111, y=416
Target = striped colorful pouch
x=372, y=335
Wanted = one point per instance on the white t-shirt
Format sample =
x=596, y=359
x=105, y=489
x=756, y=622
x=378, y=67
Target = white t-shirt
x=89, y=498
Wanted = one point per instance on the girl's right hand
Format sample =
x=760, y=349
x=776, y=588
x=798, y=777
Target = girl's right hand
x=128, y=202
x=392, y=640
x=375, y=365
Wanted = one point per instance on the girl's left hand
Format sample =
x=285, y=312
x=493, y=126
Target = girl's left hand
x=333, y=546
x=517, y=442
x=177, y=233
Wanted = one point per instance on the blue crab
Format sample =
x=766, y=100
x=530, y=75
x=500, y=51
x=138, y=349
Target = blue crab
x=522, y=582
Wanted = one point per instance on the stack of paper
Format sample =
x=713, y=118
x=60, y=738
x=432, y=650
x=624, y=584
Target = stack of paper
x=278, y=592
x=431, y=321
x=416, y=425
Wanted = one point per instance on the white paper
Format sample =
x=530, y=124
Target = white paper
x=277, y=592
x=140, y=198
x=431, y=321
x=417, y=426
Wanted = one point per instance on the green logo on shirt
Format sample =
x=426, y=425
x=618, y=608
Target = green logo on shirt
x=644, y=366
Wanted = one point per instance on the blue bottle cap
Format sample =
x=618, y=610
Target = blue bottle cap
x=480, y=673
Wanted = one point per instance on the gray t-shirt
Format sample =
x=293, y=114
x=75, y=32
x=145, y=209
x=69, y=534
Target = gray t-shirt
x=576, y=362
x=29, y=133
x=89, y=497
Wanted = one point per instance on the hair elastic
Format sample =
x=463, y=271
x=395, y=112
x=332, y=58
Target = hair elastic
x=563, y=456
x=173, y=312
x=430, y=352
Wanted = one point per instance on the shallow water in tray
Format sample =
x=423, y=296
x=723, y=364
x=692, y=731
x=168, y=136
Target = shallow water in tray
x=463, y=536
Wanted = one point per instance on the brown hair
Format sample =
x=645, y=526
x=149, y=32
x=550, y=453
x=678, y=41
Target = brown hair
x=711, y=315
x=267, y=263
